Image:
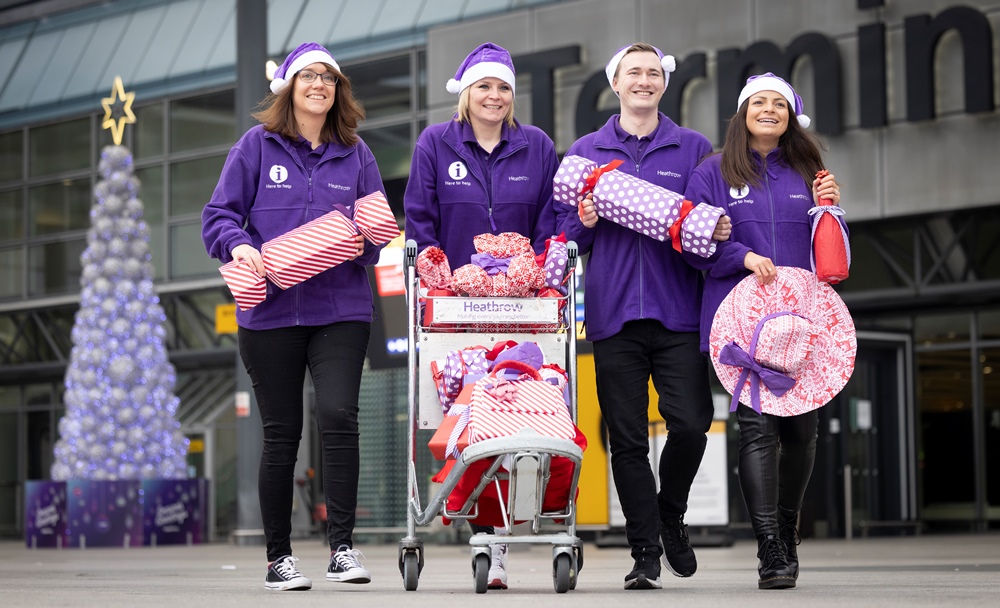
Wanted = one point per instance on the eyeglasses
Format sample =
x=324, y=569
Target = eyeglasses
x=308, y=77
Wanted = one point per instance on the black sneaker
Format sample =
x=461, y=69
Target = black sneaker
x=646, y=572
x=678, y=556
x=345, y=567
x=773, y=567
x=282, y=575
x=789, y=533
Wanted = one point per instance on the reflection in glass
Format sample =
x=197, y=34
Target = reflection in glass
x=11, y=272
x=989, y=367
x=187, y=253
x=392, y=148
x=937, y=329
x=199, y=122
x=64, y=146
x=151, y=195
x=383, y=86
x=989, y=324
x=55, y=268
x=192, y=183
x=10, y=156
x=944, y=405
x=59, y=207
x=11, y=215
x=148, y=131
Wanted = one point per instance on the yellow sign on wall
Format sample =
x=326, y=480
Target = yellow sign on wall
x=225, y=319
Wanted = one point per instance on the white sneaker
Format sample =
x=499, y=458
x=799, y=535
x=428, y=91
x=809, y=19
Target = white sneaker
x=282, y=575
x=345, y=567
x=498, y=567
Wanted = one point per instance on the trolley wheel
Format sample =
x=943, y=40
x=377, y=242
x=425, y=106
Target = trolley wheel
x=411, y=571
x=562, y=574
x=481, y=571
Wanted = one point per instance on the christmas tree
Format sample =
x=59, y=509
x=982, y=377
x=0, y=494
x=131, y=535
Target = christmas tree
x=120, y=407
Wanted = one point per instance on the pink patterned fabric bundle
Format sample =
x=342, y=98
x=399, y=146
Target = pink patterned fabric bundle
x=503, y=245
x=433, y=268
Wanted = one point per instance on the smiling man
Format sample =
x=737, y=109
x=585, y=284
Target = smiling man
x=642, y=308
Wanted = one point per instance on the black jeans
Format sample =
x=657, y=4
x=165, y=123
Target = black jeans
x=775, y=463
x=276, y=361
x=624, y=364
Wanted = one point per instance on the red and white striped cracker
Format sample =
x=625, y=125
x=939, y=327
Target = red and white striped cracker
x=310, y=249
x=375, y=219
x=249, y=288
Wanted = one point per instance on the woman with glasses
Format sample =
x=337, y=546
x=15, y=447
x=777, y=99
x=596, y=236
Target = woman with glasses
x=304, y=158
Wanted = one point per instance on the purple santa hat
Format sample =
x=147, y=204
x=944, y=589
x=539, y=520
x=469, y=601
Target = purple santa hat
x=668, y=63
x=770, y=82
x=486, y=60
x=305, y=54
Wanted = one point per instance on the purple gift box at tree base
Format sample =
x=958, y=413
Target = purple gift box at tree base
x=45, y=514
x=174, y=511
x=82, y=513
x=104, y=513
x=638, y=205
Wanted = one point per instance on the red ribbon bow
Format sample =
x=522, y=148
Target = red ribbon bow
x=591, y=180
x=675, y=228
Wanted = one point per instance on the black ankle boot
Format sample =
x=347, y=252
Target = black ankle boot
x=773, y=567
x=789, y=533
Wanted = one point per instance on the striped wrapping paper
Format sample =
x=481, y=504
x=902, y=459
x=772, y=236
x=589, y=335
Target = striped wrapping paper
x=249, y=288
x=375, y=219
x=310, y=249
x=537, y=405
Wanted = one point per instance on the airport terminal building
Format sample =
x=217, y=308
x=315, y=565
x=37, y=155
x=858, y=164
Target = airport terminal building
x=904, y=94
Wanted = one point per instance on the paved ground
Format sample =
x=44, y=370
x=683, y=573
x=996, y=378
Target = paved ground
x=898, y=571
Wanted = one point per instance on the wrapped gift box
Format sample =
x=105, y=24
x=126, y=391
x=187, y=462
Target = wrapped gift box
x=374, y=218
x=638, y=205
x=249, y=288
x=310, y=249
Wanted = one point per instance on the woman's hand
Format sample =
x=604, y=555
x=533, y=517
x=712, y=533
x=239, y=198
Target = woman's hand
x=723, y=229
x=763, y=268
x=359, y=246
x=826, y=187
x=246, y=253
x=587, y=211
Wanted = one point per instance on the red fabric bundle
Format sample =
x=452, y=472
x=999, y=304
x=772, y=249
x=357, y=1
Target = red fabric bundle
x=556, y=492
x=525, y=276
x=472, y=280
x=433, y=268
x=830, y=247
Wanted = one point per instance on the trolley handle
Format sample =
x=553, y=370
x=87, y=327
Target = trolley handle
x=571, y=255
x=410, y=252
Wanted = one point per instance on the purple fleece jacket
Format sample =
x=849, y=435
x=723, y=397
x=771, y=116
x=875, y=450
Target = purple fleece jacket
x=265, y=191
x=631, y=276
x=448, y=200
x=771, y=220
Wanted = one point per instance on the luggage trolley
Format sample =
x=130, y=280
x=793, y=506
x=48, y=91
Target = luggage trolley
x=530, y=453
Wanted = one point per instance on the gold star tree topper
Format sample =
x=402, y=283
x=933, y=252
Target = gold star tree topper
x=118, y=110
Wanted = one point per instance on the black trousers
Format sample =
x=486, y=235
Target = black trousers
x=624, y=364
x=775, y=463
x=276, y=361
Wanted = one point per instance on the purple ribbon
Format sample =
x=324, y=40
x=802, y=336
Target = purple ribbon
x=490, y=264
x=775, y=381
